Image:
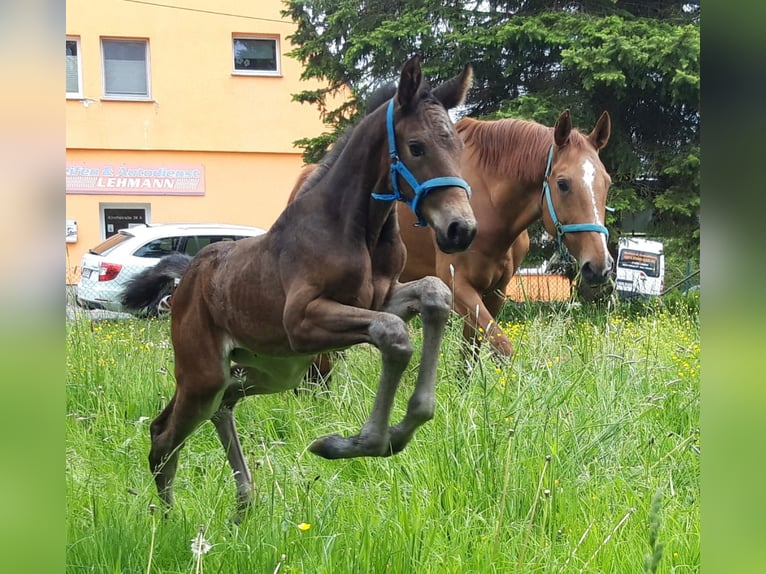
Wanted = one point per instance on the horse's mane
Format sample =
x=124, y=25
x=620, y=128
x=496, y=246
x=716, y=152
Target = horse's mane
x=509, y=147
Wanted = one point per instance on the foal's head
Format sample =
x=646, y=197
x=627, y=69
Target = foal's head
x=428, y=145
x=578, y=185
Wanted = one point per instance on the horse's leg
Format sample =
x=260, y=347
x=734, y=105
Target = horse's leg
x=479, y=322
x=324, y=324
x=431, y=298
x=226, y=428
x=494, y=301
x=199, y=382
x=169, y=430
x=389, y=334
x=318, y=375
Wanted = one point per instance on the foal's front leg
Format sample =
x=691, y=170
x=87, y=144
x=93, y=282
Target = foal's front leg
x=326, y=324
x=430, y=297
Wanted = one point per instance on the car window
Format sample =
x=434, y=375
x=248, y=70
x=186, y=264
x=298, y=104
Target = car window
x=197, y=242
x=105, y=246
x=158, y=247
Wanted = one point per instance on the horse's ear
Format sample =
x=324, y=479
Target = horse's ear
x=600, y=134
x=452, y=93
x=409, y=82
x=562, y=128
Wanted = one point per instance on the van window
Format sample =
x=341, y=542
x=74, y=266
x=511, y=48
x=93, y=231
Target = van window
x=649, y=263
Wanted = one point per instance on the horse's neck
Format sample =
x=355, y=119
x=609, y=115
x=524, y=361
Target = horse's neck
x=514, y=186
x=516, y=203
x=351, y=180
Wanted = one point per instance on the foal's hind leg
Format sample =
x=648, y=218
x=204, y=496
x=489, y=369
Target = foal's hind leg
x=226, y=428
x=169, y=430
x=200, y=381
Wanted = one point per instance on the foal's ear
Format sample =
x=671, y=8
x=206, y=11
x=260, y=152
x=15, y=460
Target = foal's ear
x=452, y=92
x=409, y=82
x=600, y=134
x=562, y=128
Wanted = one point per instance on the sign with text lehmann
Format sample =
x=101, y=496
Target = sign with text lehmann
x=134, y=179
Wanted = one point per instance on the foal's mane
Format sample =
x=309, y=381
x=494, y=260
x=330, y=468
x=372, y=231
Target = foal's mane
x=378, y=97
x=511, y=148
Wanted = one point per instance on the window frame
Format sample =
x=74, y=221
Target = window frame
x=277, y=49
x=147, y=65
x=78, y=94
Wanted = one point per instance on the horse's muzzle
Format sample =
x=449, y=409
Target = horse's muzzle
x=457, y=236
x=596, y=274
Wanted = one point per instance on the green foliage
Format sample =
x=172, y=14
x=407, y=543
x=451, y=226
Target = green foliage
x=638, y=60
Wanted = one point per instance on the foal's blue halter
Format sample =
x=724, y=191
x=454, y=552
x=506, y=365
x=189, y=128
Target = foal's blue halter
x=399, y=169
x=571, y=227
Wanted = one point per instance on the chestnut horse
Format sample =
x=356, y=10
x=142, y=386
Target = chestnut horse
x=324, y=277
x=519, y=171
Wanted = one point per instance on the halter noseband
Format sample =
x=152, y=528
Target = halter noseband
x=399, y=169
x=571, y=227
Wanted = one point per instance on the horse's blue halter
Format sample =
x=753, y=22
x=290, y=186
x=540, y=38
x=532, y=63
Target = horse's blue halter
x=571, y=227
x=399, y=169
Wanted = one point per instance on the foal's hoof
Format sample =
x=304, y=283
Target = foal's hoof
x=329, y=446
x=335, y=446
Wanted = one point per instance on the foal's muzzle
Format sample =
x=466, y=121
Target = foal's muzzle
x=456, y=236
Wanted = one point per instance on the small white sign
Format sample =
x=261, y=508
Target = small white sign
x=71, y=231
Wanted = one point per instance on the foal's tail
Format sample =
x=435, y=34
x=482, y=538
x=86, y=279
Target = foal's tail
x=146, y=290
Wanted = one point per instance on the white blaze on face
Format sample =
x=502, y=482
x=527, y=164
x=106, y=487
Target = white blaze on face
x=588, y=177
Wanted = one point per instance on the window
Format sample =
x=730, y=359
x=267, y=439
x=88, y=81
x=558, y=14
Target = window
x=126, y=69
x=158, y=247
x=73, y=68
x=649, y=263
x=256, y=56
x=197, y=242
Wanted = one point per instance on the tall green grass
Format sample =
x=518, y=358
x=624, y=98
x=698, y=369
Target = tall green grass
x=549, y=463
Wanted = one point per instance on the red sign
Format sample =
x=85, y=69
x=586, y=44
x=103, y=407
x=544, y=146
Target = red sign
x=134, y=179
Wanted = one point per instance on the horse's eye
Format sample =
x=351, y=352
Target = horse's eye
x=563, y=185
x=417, y=149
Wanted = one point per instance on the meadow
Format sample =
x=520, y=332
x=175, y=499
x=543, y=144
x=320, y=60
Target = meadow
x=581, y=454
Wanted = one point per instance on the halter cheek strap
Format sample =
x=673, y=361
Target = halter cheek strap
x=571, y=227
x=398, y=169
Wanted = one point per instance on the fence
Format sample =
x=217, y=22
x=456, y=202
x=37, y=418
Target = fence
x=539, y=287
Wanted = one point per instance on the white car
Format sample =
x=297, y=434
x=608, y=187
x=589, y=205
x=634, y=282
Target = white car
x=107, y=267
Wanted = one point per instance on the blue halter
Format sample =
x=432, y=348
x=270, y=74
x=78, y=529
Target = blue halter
x=571, y=227
x=399, y=169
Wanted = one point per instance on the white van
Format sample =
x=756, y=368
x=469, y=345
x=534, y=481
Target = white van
x=640, y=267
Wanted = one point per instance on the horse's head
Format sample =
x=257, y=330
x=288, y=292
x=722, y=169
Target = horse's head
x=574, y=196
x=426, y=160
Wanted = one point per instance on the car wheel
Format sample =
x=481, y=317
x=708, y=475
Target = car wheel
x=163, y=306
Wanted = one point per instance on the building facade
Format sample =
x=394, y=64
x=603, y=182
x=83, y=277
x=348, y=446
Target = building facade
x=179, y=112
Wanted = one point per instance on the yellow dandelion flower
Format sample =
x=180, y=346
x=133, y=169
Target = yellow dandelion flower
x=304, y=526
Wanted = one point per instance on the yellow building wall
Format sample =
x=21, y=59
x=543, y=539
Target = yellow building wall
x=241, y=128
x=198, y=103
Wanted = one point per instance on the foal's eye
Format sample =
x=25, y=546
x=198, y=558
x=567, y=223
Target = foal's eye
x=563, y=185
x=417, y=149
